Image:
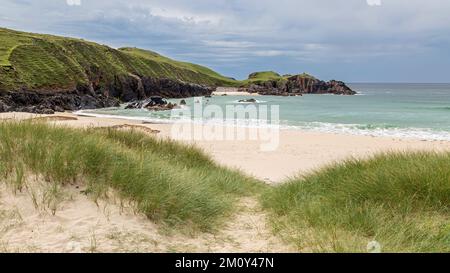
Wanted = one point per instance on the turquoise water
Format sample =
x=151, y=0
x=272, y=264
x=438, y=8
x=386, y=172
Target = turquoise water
x=399, y=110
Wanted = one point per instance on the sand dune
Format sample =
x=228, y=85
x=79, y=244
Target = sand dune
x=80, y=225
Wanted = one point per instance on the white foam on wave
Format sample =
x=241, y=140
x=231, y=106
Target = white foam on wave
x=367, y=130
x=335, y=128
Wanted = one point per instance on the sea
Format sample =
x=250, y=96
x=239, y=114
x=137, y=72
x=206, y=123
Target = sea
x=418, y=111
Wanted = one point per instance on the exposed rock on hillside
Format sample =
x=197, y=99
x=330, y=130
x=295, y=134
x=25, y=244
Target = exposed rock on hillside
x=39, y=103
x=297, y=85
x=122, y=89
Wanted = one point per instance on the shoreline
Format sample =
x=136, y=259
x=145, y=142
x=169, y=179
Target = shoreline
x=299, y=151
x=346, y=129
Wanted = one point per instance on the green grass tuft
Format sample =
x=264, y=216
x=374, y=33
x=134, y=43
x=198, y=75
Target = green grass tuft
x=167, y=181
x=400, y=200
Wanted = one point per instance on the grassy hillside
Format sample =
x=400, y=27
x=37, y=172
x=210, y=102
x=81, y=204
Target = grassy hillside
x=153, y=56
x=42, y=62
x=166, y=181
x=402, y=201
x=46, y=62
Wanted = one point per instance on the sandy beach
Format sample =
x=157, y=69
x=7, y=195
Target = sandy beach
x=299, y=152
x=231, y=91
x=81, y=225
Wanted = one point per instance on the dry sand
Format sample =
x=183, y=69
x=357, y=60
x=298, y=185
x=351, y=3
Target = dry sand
x=232, y=91
x=81, y=225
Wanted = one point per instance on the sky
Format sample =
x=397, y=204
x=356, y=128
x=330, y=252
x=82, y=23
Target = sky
x=349, y=40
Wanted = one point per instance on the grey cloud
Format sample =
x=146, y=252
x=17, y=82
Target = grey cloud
x=238, y=37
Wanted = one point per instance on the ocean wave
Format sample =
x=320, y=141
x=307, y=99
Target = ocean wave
x=446, y=108
x=376, y=130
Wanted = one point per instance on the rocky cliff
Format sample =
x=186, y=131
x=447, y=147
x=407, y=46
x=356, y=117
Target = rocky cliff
x=121, y=89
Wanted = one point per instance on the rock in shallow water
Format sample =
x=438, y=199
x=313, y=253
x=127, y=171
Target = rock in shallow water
x=155, y=103
x=248, y=101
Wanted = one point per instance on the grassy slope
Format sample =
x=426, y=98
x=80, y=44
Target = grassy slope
x=150, y=55
x=400, y=200
x=166, y=181
x=36, y=61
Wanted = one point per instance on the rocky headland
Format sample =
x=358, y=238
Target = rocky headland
x=296, y=85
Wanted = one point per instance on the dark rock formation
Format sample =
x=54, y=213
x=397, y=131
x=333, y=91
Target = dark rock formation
x=248, y=101
x=97, y=94
x=154, y=103
x=40, y=103
x=164, y=107
x=168, y=88
x=133, y=87
x=298, y=85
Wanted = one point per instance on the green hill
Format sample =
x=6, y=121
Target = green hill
x=37, y=62
x=265, y=76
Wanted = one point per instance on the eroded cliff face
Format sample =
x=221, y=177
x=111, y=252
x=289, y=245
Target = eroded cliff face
x=98, y=93
x=298, y=85
x=39, y=103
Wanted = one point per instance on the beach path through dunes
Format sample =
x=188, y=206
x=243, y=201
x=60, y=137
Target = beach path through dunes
x=81, y=225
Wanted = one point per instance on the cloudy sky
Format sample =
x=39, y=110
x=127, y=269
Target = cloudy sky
x=351, y=40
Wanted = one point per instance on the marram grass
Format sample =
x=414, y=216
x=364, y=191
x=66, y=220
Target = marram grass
x=400, y=200
x=168, y=182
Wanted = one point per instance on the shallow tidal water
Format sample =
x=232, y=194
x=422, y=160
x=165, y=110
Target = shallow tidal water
x=398, y=110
